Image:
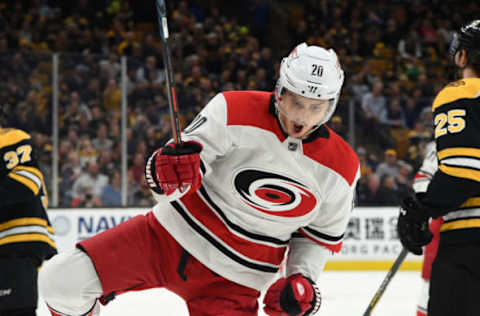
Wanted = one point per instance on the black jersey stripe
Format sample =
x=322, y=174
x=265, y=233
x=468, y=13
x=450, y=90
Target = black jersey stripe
x=234, y=226
x=297, y=235
x=218, y=245
x=322, y=235
x=202, y=167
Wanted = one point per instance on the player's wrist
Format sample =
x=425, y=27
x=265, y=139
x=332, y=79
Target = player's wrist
x=413, y=208
x=185, y=148
x=150, y=173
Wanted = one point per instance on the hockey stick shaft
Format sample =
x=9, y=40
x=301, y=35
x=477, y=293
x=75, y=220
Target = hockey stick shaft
x=396, y=265
x=167, y=62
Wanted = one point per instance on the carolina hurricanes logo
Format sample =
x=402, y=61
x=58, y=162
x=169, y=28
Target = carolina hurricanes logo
x=274, y=194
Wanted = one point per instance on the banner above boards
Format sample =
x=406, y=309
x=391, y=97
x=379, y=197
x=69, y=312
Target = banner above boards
x=370, y=242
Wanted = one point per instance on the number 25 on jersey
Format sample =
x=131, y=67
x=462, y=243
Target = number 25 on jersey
x=451, y=122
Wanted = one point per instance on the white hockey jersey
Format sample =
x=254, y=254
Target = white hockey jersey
x=262, y=192
x=427, y=170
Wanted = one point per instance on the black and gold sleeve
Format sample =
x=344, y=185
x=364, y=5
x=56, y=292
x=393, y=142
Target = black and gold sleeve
x=456, y=117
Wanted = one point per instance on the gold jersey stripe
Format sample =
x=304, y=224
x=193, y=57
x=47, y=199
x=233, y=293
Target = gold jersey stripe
x=471, y=202
x=27, y=238
x=462, y=223
x=24, y=221
x=463, y=89
x=39, y=174
x=25, y=181
x=11, y=137
x=461, y=172
x=458, y=151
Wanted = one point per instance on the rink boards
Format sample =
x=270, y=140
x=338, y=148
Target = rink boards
x=370, y=242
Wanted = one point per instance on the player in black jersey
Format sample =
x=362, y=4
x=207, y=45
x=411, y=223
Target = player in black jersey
x=26, y=236
x=454, y=191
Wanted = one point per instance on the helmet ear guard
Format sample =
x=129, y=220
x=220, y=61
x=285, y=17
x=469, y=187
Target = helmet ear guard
x=311, y=72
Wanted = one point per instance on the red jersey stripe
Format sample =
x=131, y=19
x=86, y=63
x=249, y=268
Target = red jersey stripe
x=333, y=247
x=207, y=217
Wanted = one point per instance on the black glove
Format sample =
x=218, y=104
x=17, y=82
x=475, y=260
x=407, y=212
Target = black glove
x=412, y=225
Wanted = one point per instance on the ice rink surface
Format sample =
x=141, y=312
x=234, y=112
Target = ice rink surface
x=344, y=294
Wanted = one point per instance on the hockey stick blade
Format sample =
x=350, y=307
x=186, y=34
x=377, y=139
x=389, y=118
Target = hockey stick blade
x=393, y=270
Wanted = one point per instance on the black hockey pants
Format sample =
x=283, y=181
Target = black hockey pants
x=455, y=281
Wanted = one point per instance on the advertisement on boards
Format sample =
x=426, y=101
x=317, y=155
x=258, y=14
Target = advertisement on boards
x=370, y=241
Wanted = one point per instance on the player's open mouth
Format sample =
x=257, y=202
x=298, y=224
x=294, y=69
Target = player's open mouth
x=297, y=127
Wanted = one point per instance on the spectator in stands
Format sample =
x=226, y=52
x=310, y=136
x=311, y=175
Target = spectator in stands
x=336, y=123
x=374, y=106
x=387, y=193
x=374, y=102
x=410, y=47
x=87, y=152
x=88, y=188
x=112, y=192
x=110, y=67
x=365, y=168
x=74, y=110
x=411, y=112
x=367, y=190
x=112, y=96
x=97, y=117
x=106, y=164
x=150, y=72
x=133, y=187
x=84, y=128
x=393, y=115
x=390, y=166
x=93, y=95
x=102, y=141
x=404, y=180
x=70, y=171
x=143, y=195
x=138, y=167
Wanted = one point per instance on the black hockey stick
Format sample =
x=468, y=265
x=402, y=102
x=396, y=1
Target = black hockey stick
x=396, y=265
x=167, y=61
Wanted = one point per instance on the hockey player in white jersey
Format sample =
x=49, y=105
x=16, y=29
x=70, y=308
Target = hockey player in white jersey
x=258, y=174
x=420, y=183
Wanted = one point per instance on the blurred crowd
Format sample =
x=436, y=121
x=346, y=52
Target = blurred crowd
x=393, y=53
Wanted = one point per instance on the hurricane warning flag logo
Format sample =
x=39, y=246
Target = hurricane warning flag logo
x=274, y=194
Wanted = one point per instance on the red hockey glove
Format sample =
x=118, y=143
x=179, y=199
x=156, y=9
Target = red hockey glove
x=296, y=295
x=174, y=167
